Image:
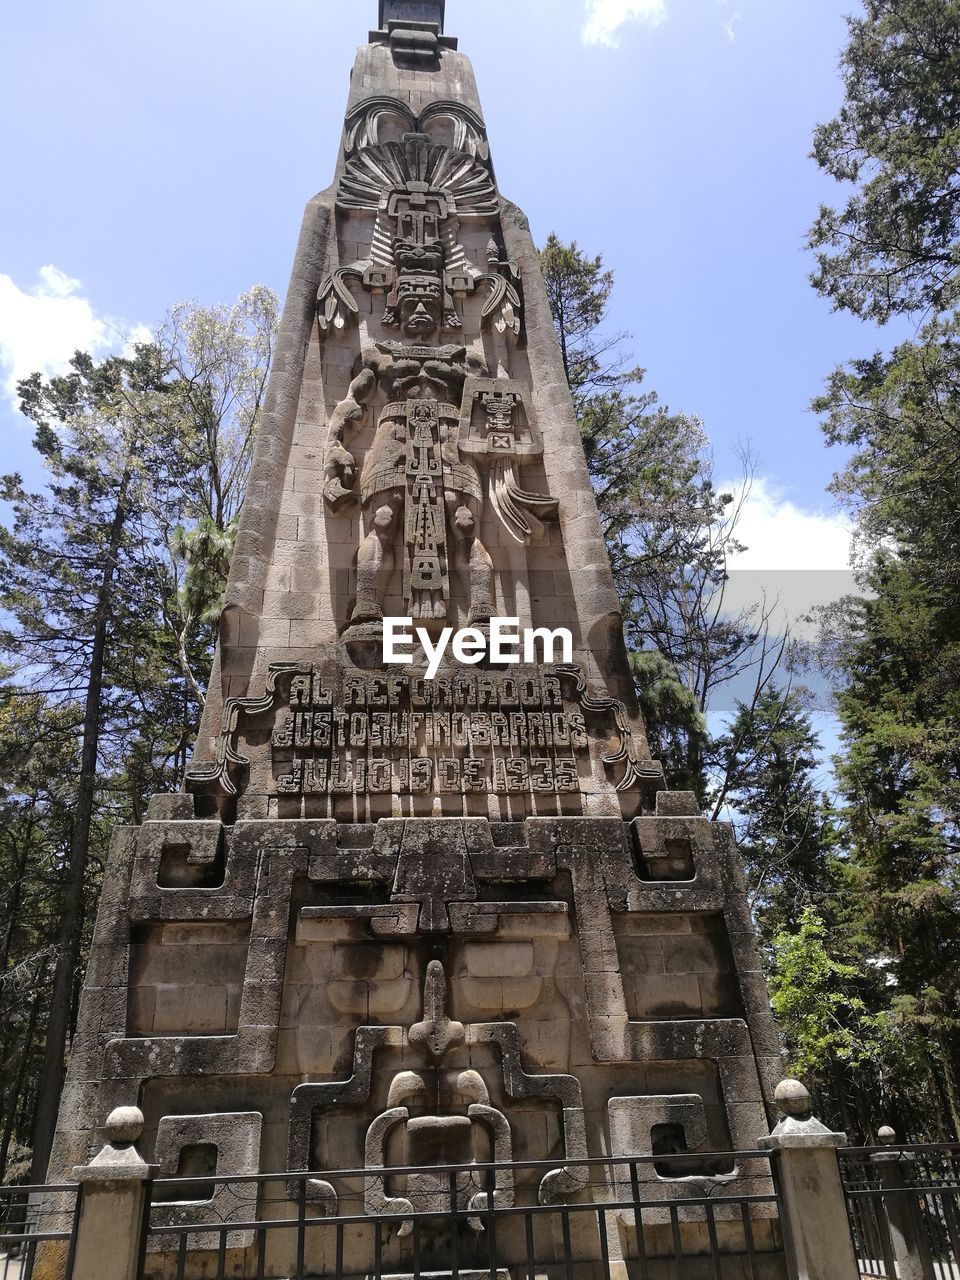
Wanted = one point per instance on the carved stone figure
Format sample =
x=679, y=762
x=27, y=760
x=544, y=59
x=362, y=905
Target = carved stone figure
x=415, y=479
x=418, y=489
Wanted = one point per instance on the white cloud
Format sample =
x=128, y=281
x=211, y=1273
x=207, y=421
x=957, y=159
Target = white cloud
x=41, y=327
x=778, y=534
x=604, y=18
x=797, y=558
x=730, y=26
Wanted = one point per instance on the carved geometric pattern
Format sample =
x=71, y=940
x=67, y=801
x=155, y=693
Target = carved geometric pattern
x=236, y=1136
x=437, y=1035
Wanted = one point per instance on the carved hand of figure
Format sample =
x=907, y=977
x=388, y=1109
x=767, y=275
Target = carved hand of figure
x=340, y=466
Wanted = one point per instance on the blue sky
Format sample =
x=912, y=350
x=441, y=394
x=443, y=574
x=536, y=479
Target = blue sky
x=161, y=152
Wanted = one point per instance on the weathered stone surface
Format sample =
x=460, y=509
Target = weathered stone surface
x=233, y=1140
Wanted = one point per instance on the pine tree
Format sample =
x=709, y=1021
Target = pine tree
x=894, y=248
x=895, y=245
x=669, y=531
x=770, y=758
x=111, y=586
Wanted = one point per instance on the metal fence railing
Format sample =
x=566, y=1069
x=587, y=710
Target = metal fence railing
x=903, y=1203
x=35, y=1223
x=522, y=1221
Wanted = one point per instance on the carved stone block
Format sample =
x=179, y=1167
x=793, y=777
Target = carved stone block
x=216, y=1145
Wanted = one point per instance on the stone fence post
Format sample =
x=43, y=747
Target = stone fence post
x=907, y=1238
x=111, y=1212
x=816, y=1228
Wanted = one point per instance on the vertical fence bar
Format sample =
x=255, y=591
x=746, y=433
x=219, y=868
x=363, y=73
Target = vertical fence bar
x=454, y=1230
x=604, y=1244
x=949, y=1203
x=301, y=1226
x=145, y=1211
x=926, y=1230
x=74, y=1228
x=714, y=1243
x=567, y=1250
x=490, y=1182
x=261, y=1253
x=528, y=1239
x=748, y=1239
x=638, y=1220
x=677, y=1244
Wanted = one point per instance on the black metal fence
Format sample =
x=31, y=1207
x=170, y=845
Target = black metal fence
x=38, y=1221
x=526, y=1221
x=904, y=1207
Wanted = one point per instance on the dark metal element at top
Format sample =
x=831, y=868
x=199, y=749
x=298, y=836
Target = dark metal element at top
x=412, y=11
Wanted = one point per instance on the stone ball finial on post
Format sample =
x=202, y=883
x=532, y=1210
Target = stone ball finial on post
x=886, y=1135
x=113, y=1203
x=124, y=1126
x=818, y=1241
x=793, y=1099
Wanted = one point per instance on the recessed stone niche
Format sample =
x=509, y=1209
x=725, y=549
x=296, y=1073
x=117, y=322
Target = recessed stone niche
x=196, y=1160
x=187, y=979
x=181, y=868
x=671, y=860
x=677, y=965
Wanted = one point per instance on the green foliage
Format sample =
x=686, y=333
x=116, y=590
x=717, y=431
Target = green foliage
x=895, y=246
x=894, y=652
x=770, y=757
x=110, y=586
x=812, y=994
x=669, y=531
x=899, y=668
x=846, y=1039
x=675, y=723
x=579, y=289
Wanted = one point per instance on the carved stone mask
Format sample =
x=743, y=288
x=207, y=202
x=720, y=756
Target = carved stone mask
x=420, y=305
x=420, y=287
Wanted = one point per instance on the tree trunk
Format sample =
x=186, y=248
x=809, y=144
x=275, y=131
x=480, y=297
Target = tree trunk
x=16, y=890
x=10, y=1100
x=52, y=1072
x=950, y=1084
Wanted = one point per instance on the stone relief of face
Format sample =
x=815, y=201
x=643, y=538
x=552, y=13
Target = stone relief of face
x=420, y=305
x=419, y=287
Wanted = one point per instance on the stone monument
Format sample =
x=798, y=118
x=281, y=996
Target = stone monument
x=402, y=920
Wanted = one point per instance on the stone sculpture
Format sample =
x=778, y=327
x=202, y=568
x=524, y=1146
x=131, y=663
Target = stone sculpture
x=394, y=919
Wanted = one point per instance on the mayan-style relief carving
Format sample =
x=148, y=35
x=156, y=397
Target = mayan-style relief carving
x=439, y=1114
x=420, y=177
x=218, y=1145
x=417, y=484
x=494, y=426
x=340, y=732
x=420, y=479
x=420, y=488
x=440, y=1139
x=401, y=919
